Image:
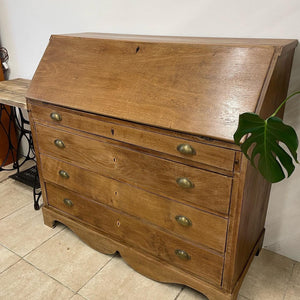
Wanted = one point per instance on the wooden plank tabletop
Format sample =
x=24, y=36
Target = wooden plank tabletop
x=12, y=92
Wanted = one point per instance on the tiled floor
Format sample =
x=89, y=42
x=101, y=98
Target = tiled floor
x=37, y=262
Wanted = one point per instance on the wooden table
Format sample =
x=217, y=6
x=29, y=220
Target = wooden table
x=12, y=93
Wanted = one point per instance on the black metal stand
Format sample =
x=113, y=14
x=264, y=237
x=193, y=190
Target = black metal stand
x=30, y=176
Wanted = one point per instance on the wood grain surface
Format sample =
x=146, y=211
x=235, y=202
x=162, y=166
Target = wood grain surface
x=12, y=92
x=151, y=173
x=162, y=141
x=139, y=235
x=195, y=88
x=249, y=205
x=146, y=264
x=282, y=44
x=126, y=102
x=207, y=229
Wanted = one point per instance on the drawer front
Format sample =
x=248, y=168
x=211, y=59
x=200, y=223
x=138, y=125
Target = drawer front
x=138, y=234
x=198, y=152
x=186, y=221
x=205, y=189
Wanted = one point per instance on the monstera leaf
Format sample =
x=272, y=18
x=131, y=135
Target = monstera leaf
x=263, y=140
x=265, y=135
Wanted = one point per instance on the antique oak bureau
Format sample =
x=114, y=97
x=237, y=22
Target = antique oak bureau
x=134, y=139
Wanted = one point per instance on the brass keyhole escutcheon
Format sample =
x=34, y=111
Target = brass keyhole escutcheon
x=68, y=202
x=186, y=149
x=63, y=174
x=59, y=143
x=182, y=254
x=184, y=221
x=184, y=183
x=55, y=116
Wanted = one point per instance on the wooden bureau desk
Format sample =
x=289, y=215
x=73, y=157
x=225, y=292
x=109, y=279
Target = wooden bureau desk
x=134, y=139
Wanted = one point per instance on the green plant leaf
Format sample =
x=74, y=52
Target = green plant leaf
x=265, y=136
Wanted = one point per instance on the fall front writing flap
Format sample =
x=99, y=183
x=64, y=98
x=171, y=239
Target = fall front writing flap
x=195, y=85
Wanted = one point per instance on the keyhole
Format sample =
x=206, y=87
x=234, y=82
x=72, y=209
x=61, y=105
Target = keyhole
x=137, y=49
x=114, y=159
x=112, y=131
x=118, y=223
x=116, y=193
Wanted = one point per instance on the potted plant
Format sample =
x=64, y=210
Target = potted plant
x=264, y=139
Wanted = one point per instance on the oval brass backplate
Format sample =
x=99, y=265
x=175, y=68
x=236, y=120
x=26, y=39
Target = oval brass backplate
x=55, y=116
x=59, y=143
x=184, y=183
x=186, y=149
x=182, y=254
x=63, y=174
x=184, y=221
x=68, y=202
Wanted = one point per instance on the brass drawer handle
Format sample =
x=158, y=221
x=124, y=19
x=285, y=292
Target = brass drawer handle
x=55, y=116
x=63, y=174
x=186, y=149
x=184, y=183
x=68, y=202
x=59, y=144
x=184, y=221
x=182, y=254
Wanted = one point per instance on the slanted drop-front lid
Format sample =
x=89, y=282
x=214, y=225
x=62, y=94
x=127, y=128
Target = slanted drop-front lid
x=192, y=85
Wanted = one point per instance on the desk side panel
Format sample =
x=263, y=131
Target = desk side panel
x=256, y=189
x=37, y=153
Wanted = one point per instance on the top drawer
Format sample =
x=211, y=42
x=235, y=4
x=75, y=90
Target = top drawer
x=131, y=133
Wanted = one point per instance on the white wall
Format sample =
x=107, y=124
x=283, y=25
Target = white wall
x=25, y=27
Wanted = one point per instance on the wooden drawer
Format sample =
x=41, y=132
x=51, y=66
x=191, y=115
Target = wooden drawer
x=122, y=131
x=206, y=229
x=210, y=190
x=138, y=234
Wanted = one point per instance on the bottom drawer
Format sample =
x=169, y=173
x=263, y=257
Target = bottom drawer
x=139, y=234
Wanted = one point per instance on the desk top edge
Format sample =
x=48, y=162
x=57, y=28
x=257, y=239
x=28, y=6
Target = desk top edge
x=284, y=44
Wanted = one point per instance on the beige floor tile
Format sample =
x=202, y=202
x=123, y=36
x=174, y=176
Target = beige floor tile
x=14, y=195
x=24, y=230
x=77, y=297
x=66, y=258
x=5, y=174
x=7, y=258
x=295, y=279
x=267, y=277
x=293, y=293
x=23, y=281
x=293, y=290
x=190, y=294
x=118, y=281
x=240, y=297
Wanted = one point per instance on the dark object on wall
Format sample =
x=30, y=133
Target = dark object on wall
x=4, y=58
